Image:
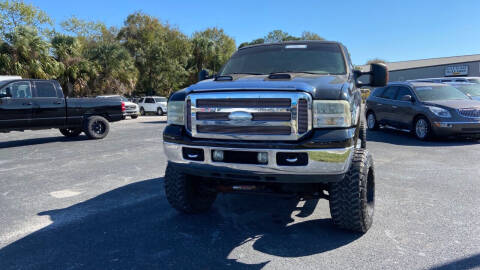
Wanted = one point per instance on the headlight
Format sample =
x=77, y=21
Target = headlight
x=175, y=112
x=331, y=113
x=440, y=112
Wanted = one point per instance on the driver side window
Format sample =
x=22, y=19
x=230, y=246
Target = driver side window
x=17, y=90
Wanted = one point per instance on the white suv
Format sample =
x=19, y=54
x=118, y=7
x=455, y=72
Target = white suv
x=157, y=105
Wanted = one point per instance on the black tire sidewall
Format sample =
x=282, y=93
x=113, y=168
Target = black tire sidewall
x=89, y=127
x=182, y=194
x=349, y=197
x=159, y=111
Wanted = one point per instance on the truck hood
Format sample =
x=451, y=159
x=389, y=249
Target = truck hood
x=455, y=104
x=319, y=86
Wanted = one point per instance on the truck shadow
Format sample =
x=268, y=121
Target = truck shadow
x=44, y=140
x=133, y=227
x=398, y=137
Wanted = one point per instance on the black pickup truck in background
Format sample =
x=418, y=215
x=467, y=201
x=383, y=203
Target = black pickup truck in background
x=28, y=104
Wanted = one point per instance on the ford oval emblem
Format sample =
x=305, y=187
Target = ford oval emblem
x=240, y=116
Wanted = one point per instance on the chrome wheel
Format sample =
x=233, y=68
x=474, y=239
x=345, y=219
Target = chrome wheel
x=371, y=121
x=421, y=128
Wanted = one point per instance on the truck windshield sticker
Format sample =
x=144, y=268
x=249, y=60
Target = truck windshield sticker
x=299, y=46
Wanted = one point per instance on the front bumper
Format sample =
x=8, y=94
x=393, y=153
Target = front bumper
x=324, y=165
x=453, y=128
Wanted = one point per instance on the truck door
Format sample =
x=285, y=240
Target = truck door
x=16, y=105
x=49, y=108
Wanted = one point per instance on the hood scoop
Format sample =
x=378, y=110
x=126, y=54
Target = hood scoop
x=280, y=76
x=223, y=78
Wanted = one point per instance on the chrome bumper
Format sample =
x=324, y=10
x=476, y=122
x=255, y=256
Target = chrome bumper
x=332, y=161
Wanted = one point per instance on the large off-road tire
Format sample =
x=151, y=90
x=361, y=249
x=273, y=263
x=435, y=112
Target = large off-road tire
x=187, y=193
x=96, y=127
x=363, y=134
x=70, y=132
x=352, y=200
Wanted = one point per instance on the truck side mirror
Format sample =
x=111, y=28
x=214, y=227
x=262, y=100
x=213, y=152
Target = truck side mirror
x=203, y=75
x=407, y=98
x=378, y=75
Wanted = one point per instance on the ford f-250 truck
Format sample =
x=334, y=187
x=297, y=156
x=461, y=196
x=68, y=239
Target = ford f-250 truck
x=278, y=118
x=27, y=104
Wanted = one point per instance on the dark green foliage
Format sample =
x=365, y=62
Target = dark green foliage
x=144, y=57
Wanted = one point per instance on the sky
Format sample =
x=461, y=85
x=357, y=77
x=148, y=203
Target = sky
x=390, y=30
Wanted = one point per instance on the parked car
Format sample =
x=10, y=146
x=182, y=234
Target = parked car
x=28, y=104
x=449, y=80
x=153, y=104
x=470, y=89
x=425, y=108
x=291, y=125
x=131, y=109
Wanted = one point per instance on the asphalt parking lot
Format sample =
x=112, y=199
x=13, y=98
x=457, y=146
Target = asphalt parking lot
x=83, y=204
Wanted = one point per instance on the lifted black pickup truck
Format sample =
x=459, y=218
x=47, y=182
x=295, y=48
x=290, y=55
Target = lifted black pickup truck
x=278, y=118
x=28, y=104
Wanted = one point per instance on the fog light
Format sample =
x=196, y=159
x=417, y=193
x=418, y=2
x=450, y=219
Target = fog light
x=218, y=155
x=262, y=158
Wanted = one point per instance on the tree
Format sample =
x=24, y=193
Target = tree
x=82, y=28
x=117, y=73
x=254, y=42
x=281, y=36
x=76, y=71
x=27, y=54
x=375, y=60
x=277, y=36
x=16, y=13
x=211, y=49
x=306, y=35
x=161, y=53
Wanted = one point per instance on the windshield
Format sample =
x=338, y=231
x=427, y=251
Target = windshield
x=160, y=100
x=316, y=58
x=471, y=89
x=444, y=92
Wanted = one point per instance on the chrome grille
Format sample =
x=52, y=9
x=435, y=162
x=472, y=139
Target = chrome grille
x=189, y=115
x=302, y=115
x=470, y=112
x=266, y=115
